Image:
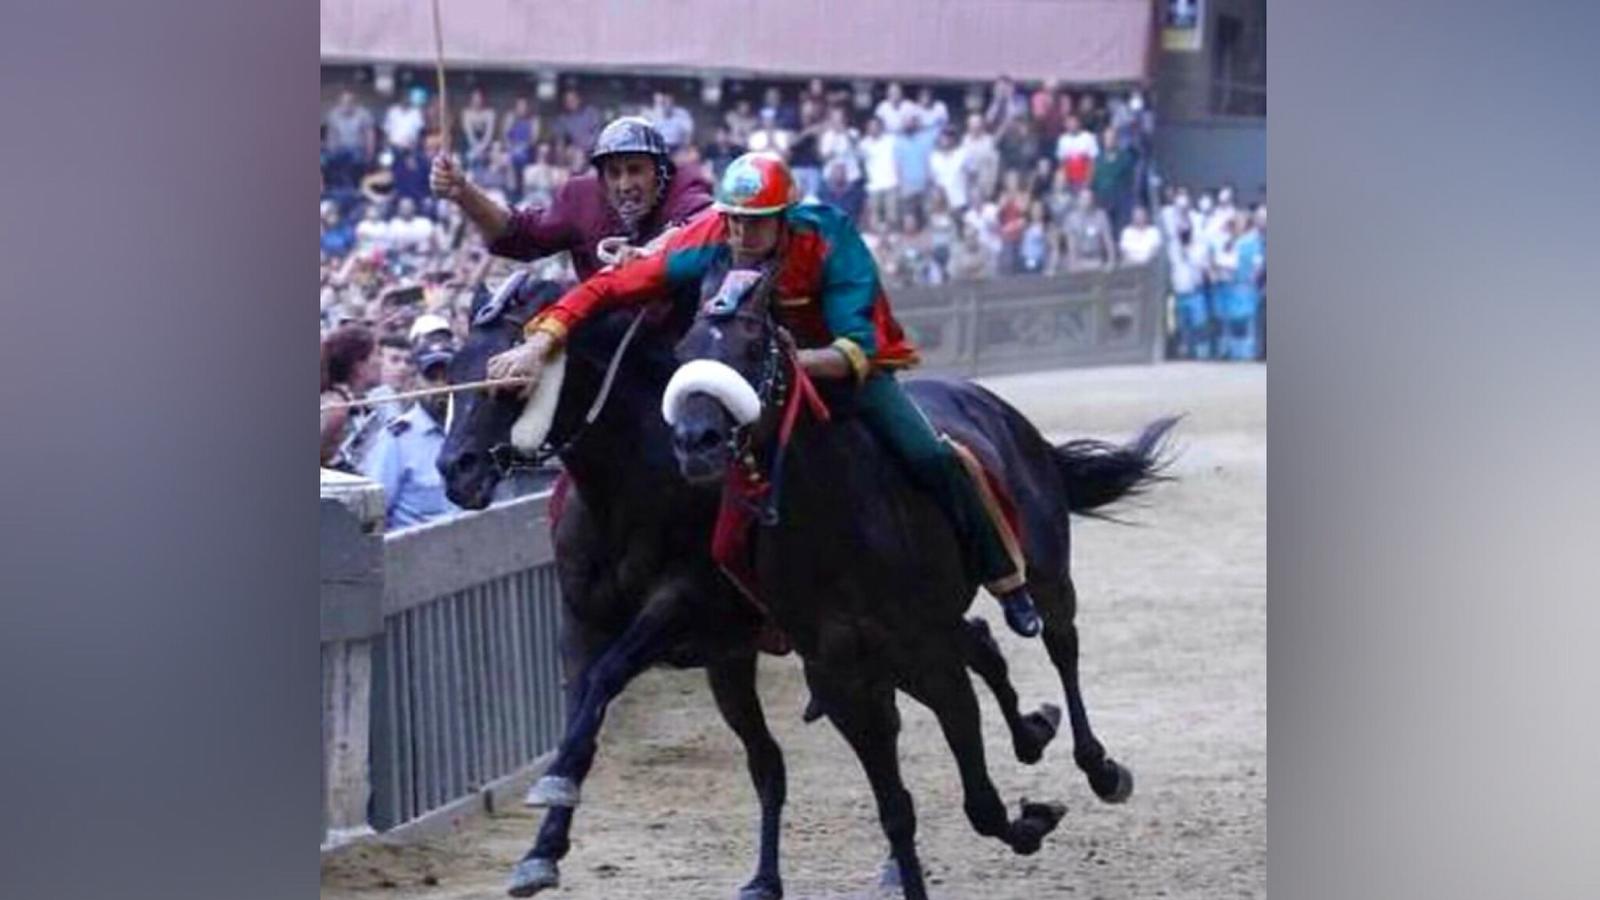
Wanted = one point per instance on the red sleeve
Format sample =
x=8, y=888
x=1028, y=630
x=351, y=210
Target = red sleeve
x=626, y=285
x=641, y=280
x=540, y=231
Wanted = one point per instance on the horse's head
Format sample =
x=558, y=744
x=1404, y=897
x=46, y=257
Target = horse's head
x=481, y=421
x=730, y=370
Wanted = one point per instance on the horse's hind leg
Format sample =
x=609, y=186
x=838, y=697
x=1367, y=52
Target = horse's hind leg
x=869, y=722
x=1030, y=733
x=945, y=689
x=1058, y=605
x=733, y=684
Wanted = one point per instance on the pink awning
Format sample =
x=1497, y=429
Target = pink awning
x=1070, y=40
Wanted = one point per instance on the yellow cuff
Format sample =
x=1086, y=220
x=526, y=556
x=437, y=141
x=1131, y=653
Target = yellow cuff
x=859, y=364
x=549, y=325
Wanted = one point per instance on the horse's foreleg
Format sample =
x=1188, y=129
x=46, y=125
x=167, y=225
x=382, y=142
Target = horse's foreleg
x=1030, y=733
x=869, y=722
x=733, y=684
x=1058, y=601
x=658, y=625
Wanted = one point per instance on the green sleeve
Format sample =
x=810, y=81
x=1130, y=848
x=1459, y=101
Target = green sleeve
x=849, y=288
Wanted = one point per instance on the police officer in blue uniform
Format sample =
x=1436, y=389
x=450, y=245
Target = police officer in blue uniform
x=403, y=457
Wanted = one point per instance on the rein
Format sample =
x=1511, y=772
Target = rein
x=790, y=391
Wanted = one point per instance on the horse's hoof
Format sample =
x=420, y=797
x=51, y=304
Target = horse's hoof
x=889, y=875
x=552, y=790
x=532, y=876
x=1037, y=821
x=759, y=889
x=1117, y=789
x=1040, y=728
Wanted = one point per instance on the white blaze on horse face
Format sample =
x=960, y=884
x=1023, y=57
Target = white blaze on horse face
x=530, y=429
x=707, y=376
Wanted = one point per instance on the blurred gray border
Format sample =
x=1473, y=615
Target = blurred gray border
x=1433, y=596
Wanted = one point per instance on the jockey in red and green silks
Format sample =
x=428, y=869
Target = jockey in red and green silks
x=830, y=298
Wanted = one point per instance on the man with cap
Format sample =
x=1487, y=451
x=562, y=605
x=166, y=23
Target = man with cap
x=403, y=458
x=635, y=194
x=831, y=300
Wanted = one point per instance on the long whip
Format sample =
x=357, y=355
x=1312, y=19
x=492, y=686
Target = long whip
x=438, y=68
x=426, y=392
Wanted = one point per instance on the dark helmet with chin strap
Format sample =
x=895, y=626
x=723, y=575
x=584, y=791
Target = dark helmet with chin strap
x=634, y=134
x=629, y=134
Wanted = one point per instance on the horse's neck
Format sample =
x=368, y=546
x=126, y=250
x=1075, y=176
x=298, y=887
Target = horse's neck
x=619, y=456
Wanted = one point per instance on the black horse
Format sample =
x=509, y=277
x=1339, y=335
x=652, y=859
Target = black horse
x=863, y=571
x=637, y=588
x=632, y=554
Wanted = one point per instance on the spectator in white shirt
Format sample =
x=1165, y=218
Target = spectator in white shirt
x=769, y=136
x=1188, y=260
x=402, y=123
x=1175, y=212
x=930, y=110
x=837, y=144
x=883, y=175
x=893, y=109
x=409, y=231
x=949, y=167
x=1140, y=241
x=373, y=233
x=1220, y=219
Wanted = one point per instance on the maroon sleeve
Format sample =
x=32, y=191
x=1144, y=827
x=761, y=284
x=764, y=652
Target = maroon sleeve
x=540, y=231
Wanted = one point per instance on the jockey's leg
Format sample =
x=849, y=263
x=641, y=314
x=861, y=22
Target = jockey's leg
x=933, y=464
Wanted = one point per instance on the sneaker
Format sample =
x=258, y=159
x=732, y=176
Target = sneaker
x=1020, y=614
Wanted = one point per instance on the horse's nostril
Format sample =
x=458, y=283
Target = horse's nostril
x=706, y=439
x=696, y=440
x=466, y=462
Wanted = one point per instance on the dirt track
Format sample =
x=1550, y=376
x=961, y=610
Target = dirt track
x=1173, y=618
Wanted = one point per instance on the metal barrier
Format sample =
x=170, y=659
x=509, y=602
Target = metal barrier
x=1024, y=323
x=456, y=693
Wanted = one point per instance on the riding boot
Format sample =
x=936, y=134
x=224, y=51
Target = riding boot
x=955, y=480
x=1020, y=612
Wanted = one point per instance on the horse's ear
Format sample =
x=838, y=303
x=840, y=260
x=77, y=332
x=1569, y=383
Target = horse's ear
x=516, y=300
x=530, y=297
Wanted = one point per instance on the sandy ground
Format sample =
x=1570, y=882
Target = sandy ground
x=1173, y=619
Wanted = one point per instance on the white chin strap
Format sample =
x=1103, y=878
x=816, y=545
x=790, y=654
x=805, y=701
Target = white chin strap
x=706, y=376
x=530, y=429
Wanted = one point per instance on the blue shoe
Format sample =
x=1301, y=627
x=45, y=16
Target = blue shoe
x=1020, y=613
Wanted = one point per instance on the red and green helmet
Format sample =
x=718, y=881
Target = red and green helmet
x=755, y=184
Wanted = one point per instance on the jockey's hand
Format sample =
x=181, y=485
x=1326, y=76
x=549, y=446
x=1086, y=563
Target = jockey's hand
x=785, y=340
x=526, y=360
x=445, y=179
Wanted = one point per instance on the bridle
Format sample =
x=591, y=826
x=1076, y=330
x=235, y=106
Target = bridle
x=508, y=458
x=781, y=385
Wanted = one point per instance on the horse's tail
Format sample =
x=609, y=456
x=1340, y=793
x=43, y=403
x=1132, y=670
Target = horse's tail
x=1098, y=473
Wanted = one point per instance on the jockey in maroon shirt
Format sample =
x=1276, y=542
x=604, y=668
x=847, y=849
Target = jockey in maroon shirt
x=637, y=195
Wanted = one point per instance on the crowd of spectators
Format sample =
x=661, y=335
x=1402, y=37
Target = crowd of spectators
x=1008, y=182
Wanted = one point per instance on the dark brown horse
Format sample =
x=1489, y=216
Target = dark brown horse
x=863, y=571
x=632, y=552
